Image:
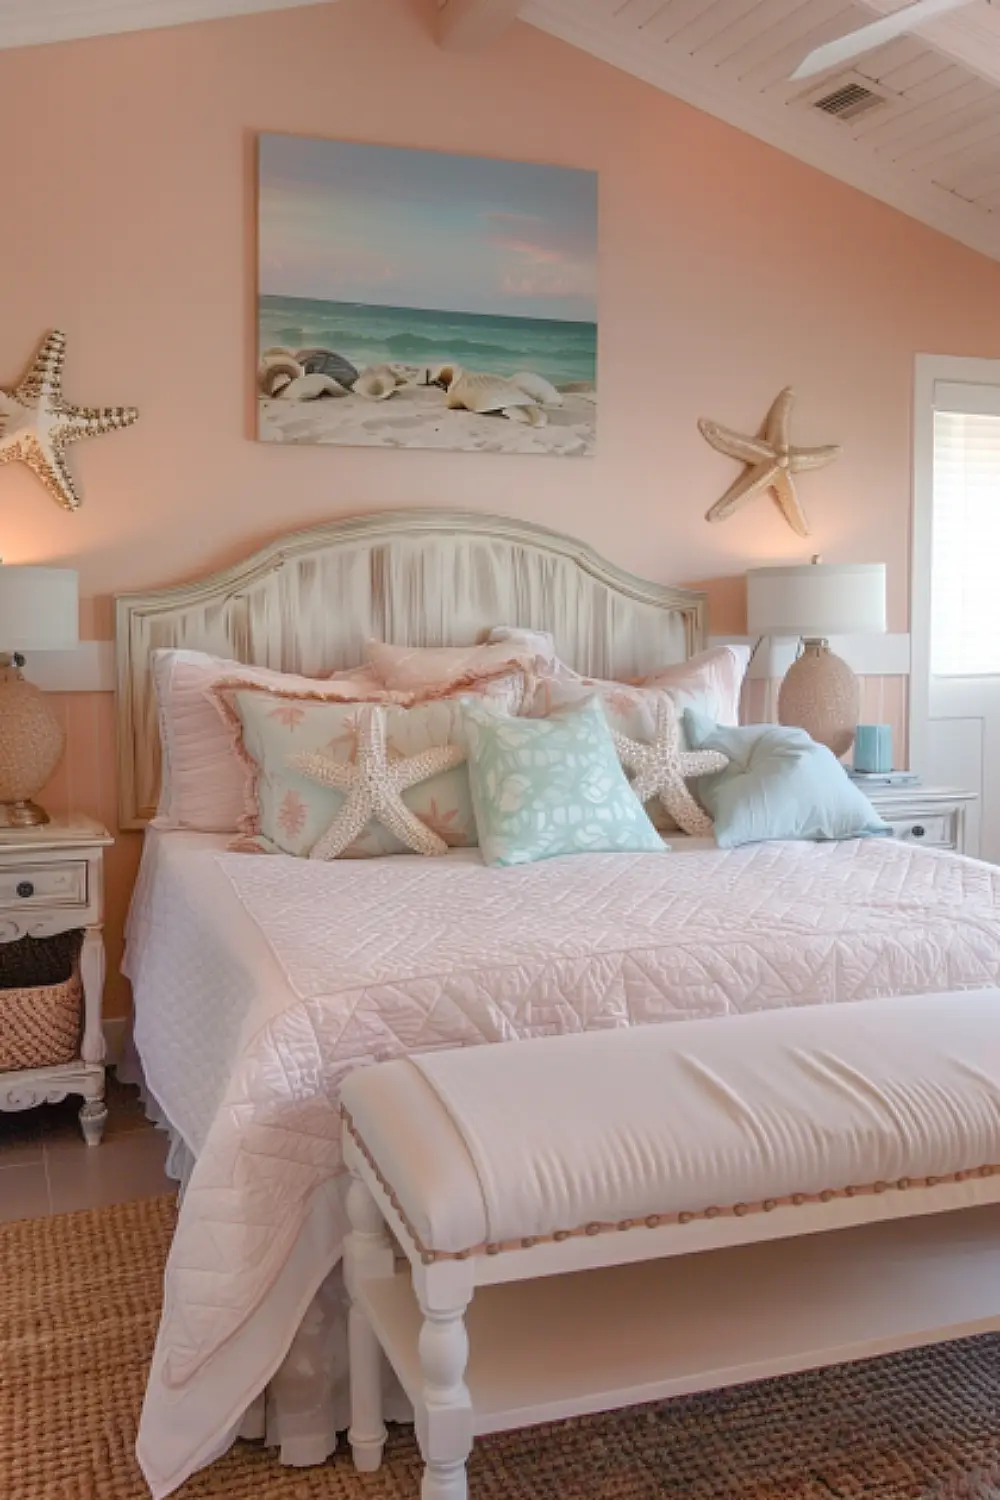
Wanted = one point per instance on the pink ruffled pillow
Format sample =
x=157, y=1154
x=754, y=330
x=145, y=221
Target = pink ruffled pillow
x=711, y=677
x=427, y=669
x=710, y=682
x=202, y=781
x=282, y=812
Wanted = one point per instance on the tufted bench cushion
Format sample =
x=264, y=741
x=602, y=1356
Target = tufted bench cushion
x=481, y=1149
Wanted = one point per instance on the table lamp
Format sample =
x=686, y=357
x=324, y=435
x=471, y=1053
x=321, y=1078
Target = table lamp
x=39, y=611
x=812, y=601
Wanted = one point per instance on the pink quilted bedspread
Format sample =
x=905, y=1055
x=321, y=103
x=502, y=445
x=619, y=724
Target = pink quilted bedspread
x=396, y=955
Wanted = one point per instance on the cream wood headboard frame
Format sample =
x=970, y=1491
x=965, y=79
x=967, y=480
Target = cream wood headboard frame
x=308, y=603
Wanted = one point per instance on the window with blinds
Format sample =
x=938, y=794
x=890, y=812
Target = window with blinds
x=965, y=545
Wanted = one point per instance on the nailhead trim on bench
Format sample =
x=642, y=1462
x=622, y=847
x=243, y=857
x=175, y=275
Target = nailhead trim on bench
x=654, y=1221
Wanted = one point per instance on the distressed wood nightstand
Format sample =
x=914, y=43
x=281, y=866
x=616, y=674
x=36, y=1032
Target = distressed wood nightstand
x=51, y=881
x=931, y=815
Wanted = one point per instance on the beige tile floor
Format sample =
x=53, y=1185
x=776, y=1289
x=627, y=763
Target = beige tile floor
x=45, y=1167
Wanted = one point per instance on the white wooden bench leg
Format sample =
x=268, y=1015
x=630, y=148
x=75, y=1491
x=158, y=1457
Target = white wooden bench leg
x=367, y=1255
x=444, y=1416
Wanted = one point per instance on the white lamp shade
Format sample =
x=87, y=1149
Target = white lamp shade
x=39, y=609
x=816, y=600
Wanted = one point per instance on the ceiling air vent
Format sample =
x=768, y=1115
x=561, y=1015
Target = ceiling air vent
x=849, y=99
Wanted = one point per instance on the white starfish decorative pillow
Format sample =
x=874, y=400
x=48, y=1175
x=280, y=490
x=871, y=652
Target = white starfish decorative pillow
x=661, y=769
x=373, y=785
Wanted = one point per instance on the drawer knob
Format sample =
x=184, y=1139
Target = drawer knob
x=918, y=830
x=25, y=889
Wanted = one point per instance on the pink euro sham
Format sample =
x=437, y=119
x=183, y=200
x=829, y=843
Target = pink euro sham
x=710, y=682
x=425, y=669
x=202, y=782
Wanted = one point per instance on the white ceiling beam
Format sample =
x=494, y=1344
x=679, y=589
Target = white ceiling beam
x=28, y=23
x=466, y=25
x=808, y=138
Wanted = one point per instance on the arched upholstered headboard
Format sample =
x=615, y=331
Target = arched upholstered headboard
x=309, y=602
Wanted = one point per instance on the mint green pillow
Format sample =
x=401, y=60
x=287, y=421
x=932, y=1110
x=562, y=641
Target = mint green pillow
x=779, y=784
x=292, y=811
x=542, y=787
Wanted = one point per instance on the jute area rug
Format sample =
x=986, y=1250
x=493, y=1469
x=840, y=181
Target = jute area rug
x=79, y=1297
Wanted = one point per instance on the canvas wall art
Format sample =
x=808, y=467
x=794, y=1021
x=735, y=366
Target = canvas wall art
x=415, y=299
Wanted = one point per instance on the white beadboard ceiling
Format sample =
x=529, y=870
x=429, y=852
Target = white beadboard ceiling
x=933, y=150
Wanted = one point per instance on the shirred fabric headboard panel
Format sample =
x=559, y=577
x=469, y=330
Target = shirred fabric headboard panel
x=309, y=602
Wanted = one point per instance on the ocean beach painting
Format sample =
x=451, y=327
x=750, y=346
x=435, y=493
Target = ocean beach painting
x=417, y=299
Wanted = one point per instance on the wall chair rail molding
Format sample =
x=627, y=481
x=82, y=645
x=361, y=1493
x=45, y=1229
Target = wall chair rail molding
x=868, y=655
x=86, y=668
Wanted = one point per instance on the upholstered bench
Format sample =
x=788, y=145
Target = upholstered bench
x=646, y=1212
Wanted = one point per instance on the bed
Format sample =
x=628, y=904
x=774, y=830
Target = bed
x=260, y=983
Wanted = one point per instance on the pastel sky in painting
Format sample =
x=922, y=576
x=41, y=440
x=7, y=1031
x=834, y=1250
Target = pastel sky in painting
x=375, y=224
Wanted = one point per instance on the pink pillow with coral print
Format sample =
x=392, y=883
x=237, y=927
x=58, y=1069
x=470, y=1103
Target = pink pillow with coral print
x=287, y=812
x=713, y=678
x=710, y=682
x=428, y=669
x=203, y=780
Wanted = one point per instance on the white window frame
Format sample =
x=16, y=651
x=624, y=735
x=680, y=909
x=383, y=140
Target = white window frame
x=930, y=369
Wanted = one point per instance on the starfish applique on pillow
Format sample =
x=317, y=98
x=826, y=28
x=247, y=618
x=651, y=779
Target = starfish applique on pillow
x=373, y=785
x=661, y=769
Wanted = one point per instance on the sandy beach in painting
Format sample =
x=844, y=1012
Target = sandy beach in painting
x=338, y=372
x=417, y=417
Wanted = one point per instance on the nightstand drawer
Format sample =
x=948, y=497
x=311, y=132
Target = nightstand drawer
x=936, y=829
x=28, y=885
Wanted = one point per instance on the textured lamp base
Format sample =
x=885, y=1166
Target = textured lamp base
x=31, y=745
x=821, y=695
x=24, y=814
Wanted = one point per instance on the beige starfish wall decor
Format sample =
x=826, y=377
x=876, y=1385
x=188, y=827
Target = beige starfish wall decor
x=37, y=425
x=771, y=463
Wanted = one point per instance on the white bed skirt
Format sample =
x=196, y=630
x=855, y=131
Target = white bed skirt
x=307, y=1402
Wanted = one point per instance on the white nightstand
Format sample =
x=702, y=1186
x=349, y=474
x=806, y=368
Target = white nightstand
x=931, y=815
x=52, y=880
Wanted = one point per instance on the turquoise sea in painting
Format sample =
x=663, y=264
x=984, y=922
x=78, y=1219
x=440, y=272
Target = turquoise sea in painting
x=564, y=352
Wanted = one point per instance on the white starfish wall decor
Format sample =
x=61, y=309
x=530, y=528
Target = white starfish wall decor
x=37, y=425
x=771, y=463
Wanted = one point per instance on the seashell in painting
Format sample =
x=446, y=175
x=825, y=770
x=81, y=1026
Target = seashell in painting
x=276, y=371
x=540, y=389
x=531, y=416
x=377, y=383
x=482, y=393
x=311, y=388
x=328, y=362
x=582, y=388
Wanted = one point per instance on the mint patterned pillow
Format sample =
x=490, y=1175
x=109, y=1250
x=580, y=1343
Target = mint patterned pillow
x=542, y=787
x=288, y=812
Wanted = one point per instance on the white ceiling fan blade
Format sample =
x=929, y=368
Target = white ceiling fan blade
x=868, y=37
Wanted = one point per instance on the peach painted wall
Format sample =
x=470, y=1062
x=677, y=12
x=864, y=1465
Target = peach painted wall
x=727, y=270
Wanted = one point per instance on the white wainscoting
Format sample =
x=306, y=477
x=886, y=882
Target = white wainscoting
x=88, y=668
x=869, y=655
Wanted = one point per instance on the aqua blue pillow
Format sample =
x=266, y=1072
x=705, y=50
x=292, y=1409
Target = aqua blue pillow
x=779, y=784
x=542, y=787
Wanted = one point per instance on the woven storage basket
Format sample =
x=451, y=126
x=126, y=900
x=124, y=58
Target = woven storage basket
x=41, y=1000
